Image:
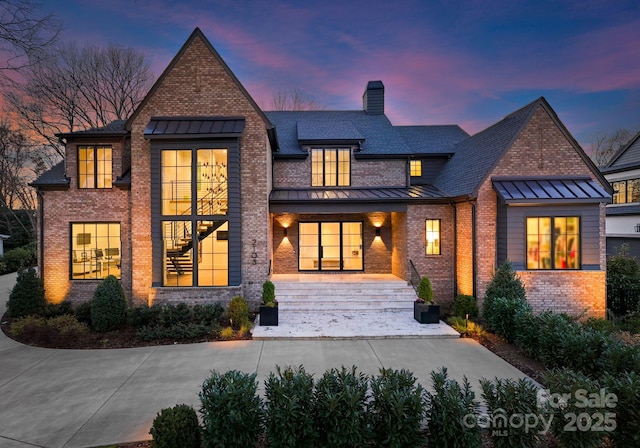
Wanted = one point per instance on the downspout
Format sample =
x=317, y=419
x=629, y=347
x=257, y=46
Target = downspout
x=40, y=233
x=455, y=247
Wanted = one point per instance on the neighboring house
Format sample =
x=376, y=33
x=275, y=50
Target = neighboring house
x=201, y=196
x=2, y=238
x=623, y=215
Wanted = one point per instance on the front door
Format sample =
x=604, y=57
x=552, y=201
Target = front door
x=330, y=246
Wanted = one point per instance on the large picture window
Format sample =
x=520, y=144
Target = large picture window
x=432, y=236
x=195, y=204
x=331, y=167
x=626, y=191
x=95, y=167
x=95, y=250
x=553, y=242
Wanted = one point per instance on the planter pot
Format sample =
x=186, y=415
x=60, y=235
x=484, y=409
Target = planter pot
x=268, y=316
x=426, y=313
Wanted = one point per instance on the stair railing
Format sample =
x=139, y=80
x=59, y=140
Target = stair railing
x=414, y=278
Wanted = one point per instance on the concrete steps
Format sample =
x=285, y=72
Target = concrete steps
x=343, y=294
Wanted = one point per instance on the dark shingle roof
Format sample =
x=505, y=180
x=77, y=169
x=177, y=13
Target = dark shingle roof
x=54, y=178
x=627, y=157
x=432, y=139
x=327, y=130
x=631, y=209
x=476, y=156
x=115, y=128
x=376, y=130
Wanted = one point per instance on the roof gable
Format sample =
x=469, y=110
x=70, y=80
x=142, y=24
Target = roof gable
x=627, y=157
x=198, y=35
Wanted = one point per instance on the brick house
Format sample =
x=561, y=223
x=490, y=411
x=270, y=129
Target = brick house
x=623, y=214
x=200, y=196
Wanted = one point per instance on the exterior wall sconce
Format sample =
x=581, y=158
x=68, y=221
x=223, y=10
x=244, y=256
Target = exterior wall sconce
x=637, y=228
x=285, y=232
x=378, y=232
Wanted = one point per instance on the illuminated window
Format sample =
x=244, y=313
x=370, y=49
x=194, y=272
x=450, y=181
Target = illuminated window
x=553, y=243
x=433, y=236
x=331, y=167
x=94, y=167
x=195, y=201
x=95, y=250
x=416, y=168
x=626, y=191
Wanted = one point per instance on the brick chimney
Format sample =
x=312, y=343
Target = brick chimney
x=373, y=98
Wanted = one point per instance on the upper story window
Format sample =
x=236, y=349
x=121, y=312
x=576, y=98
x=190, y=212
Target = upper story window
x=330, y=167
x=201, y=173
x=553, y=242
x=415, y=168
x=95, y=167
x=626, y=191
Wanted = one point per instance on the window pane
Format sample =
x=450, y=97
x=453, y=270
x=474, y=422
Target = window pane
x=633, y=190
x=86, y=167
x=309, y=241
x=95, y=250
x=176, y=182
x=213, y=253
x=330, y=168
x=317, y=170
x=212, y=185
x=416, y=168
x=344, y=167
x=352, y=246
x=433, y=236
x=104, y=165
x=178, y=253
x=567, y=242
x=620, y=192
x=539, y=243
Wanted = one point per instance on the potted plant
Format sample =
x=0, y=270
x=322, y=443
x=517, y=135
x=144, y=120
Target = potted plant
x=425, y=310
x=269, y=305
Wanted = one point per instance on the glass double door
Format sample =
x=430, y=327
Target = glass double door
x=330, y=246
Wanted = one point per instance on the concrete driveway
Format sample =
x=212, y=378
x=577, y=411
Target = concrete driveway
x=88, y=398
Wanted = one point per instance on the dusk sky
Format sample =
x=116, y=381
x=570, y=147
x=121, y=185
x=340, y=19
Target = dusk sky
x=466, y=62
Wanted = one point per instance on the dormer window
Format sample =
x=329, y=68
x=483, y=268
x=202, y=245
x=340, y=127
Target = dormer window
x=415, y=168
x=330, y=167
x=95, y=167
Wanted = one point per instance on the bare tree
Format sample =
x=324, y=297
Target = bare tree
x=605, y=145
x=294, y=100
x=80, y=88
x=17, y=169
x=25, y=36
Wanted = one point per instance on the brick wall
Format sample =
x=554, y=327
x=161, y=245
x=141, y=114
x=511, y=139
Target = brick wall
x=364, y=173
x=541, y=150
x=399, y=251
x=439, y=268
x=464, y=249
x=198, y=85
x=61, y=208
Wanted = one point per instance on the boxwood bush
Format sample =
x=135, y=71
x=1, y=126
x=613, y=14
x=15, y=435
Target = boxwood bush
x=176, y=427
x=463, y=305
x=396, y=409
x=231, y=410
x=108, y=306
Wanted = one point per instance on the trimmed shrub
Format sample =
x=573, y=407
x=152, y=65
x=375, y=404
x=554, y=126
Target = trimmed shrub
x=171, y=315
x=396, y=409
x=289, y=409
x=19, y=326
x=268, y=293
x=208, y=314
x=425, y=291
x=626, y=388
x=463, y=305
x=571, y=413
x=506, y=398
x=552, y=328
x=143, y=315
x=175, y=332
x=504, y=283
x=83, y=312
x=341, y=411
x=108, y=306
x=231, y=410
x=58, y=309
x=27, y=296
x=19, y=259
x=448, y=409
x=604, y=325
x=527, y=331
x=501, y=314
x=176, y=427
x=618, y=358
x=623, y=284
x=238, y=312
